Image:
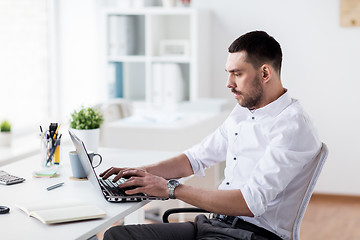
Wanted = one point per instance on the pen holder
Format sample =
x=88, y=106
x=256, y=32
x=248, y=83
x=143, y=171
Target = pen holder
x=46, y=145
x=50, y=152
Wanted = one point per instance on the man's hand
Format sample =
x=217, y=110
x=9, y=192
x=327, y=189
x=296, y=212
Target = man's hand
x=143, y=181
x=119, y=172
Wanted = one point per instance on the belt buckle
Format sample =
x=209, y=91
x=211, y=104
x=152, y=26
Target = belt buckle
x=226, y=218
x=223, y=218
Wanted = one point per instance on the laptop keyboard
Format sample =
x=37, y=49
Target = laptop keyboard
x=113, y=188
x=117, y=193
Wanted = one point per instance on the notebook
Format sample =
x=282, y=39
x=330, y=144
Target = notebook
x=61, y=211
x=108, y=189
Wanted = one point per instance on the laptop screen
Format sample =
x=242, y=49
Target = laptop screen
x=85, y=160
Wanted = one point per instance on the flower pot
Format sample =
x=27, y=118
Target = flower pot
x=5, y=139
x=90, y=137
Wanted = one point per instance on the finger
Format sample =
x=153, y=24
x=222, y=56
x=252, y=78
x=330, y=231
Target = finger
x=110, y=172
x=135, y=191
x=104, y=172
x=118, y=176
x=131, y=182
x=121, y=174
x=134, y=172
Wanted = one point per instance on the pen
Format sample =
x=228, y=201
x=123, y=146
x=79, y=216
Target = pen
x=52, y=151
x=52, y=129
x=41, y=133
x=55, y=186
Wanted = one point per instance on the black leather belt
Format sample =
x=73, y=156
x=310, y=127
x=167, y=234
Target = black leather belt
x=241, y=224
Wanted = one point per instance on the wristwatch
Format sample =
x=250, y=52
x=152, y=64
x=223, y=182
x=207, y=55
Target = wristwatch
x=172, y=184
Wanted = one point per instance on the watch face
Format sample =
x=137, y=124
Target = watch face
x=173, y=182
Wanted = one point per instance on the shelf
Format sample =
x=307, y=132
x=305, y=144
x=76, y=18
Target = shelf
x=149, y=10
x=158, y=59
x=153, y=54
x=171, y=59
x=127, y=59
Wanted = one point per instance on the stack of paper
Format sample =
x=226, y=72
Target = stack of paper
x=47, y=172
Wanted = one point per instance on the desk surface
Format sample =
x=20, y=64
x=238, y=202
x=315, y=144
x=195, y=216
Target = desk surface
x=17, y=225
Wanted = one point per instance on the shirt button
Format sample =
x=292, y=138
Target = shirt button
x=253, y=118
x=236, y=134
x=227, y=183
x=234, y=158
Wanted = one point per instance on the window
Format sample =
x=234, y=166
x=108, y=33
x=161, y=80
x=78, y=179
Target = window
x=24, y=63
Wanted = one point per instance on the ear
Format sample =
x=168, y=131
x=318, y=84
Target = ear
x=266, y=72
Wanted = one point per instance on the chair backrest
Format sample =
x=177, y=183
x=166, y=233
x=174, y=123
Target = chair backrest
x=320, y=158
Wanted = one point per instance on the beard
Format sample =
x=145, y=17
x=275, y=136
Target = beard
x=252, y=99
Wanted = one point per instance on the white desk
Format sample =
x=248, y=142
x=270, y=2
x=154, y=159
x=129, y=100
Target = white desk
x=17, y=225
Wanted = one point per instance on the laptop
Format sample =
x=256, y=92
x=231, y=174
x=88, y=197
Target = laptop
x=108, y=188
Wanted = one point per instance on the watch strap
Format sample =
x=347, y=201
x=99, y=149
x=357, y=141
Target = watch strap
x=172, y=184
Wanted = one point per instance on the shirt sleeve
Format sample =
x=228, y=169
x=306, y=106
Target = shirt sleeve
x=209, y=151
x=293, y=143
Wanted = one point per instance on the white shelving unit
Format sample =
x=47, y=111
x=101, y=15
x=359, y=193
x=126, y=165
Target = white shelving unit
x=135, y=63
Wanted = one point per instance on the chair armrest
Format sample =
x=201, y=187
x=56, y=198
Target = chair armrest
x=180, y=210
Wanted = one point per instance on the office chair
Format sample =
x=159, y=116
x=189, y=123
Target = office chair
x=320, y=159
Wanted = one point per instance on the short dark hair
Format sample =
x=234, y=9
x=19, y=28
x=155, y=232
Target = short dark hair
x=260, y=48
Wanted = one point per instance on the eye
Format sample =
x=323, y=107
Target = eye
x=237, y=74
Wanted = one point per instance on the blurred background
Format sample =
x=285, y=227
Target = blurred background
x=162, y=64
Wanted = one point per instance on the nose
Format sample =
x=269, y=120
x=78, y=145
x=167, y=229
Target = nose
x=230, y=83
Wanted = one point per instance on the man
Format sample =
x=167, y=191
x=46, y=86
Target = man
x=268, y=143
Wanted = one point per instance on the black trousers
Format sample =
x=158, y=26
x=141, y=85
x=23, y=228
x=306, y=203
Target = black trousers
x=201, y=229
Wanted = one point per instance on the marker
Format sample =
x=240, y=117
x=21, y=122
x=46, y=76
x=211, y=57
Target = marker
x=56, y=132
x=55, y=186
x=57, y=151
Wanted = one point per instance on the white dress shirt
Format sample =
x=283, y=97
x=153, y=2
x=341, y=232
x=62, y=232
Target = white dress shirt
x=269, y=154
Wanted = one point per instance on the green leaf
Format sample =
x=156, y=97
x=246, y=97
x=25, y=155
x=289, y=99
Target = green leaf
x=86, y=118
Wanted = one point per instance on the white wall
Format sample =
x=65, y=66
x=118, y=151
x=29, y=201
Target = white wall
x=320, y=68
x=24, y=64
x=79, y=54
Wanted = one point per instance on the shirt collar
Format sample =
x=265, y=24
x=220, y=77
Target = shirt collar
x=274, y=108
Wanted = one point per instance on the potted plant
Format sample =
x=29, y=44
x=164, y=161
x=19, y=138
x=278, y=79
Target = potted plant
x=85, y=123
x=5, y=134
